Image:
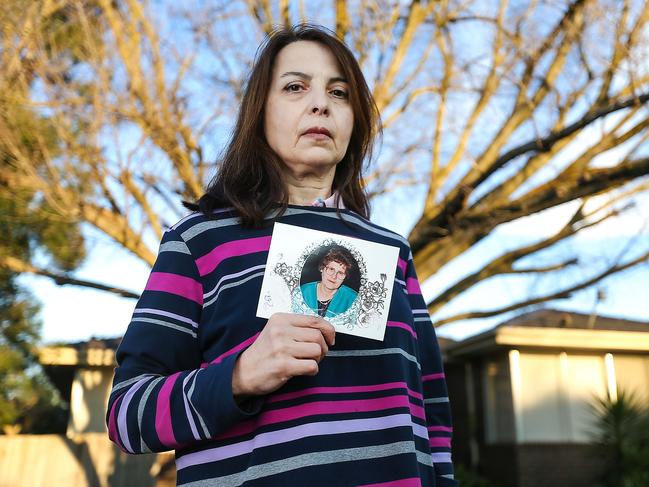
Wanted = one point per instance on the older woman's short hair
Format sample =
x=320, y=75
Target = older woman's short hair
x=335, y=255
x=249, y=177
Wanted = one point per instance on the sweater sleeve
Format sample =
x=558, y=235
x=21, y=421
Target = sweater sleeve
x=162, y=397
x=436, y=404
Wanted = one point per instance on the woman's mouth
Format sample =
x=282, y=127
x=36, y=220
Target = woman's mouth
x=317, y=136
x=318, y=133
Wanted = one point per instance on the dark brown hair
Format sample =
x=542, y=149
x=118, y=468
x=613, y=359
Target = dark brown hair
x=249, y=177
x=334, y=255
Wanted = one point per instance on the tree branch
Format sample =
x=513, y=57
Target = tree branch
x=342, y=19
x=546, y=143
x=590, y=183
x=18, y=266
x=427, y=228
x=563, y=294
x=504, y=264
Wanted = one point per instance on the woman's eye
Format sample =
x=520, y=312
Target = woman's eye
x=338, y=93
x=294, y=88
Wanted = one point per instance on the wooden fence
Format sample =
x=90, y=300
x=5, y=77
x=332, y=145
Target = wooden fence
x=88, y=460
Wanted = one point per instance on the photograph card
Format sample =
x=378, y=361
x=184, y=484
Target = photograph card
x=347, y=281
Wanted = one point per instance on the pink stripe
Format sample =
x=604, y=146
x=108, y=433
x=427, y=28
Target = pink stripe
x=175, y=284
x=336, y=407
x=440, y=441
x=417, y=411
x=163, y=413
x=342, y=390
x=440, y=428
x=402, y=265
x=412, y=286
x=412, y=482
x=323, y=407
x=212, y=259
x=416, y=395
x=405, y=326
x=112, y=426
x=439, y=375
x=243, y=344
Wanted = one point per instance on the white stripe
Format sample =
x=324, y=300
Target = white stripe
x=435, y=400
x=351, y=217
x=130, y=381
x=232, y=284
x=197, y=214
x=190, y=418
x=321, y=428
x=140, y=411
x=165, y=324
x=254, y=472
x=168, y=314
x=443, y=457
x=201, y=227
x=185, y=219
x=424, y=458
x=232, y=276
x=175, y=246
x=373, y=353
x=190, y=395
x=123, y=410
x=346, y=215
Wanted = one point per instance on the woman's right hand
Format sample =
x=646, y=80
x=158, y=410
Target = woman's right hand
x=288, y=346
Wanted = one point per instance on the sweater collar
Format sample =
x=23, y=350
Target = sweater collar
x=334, y=201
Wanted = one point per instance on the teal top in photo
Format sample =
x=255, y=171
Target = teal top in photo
x=341, y=302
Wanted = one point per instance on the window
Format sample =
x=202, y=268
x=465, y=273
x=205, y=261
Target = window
x=553, y=393
x=499, y=413
x=632, y=375
x=547, y=397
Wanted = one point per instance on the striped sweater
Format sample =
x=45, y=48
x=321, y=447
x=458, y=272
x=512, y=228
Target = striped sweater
x=376, y=413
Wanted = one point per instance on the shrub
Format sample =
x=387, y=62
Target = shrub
x=621, y=438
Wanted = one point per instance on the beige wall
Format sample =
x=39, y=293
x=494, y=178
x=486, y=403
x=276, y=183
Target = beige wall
x=88, y=400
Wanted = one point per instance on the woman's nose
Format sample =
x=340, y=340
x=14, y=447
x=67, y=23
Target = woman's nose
x=319, y=102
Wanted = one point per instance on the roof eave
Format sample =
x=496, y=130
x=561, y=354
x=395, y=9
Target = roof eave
x=507, y=337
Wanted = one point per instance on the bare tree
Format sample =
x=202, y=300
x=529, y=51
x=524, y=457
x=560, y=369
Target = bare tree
x=498, y=109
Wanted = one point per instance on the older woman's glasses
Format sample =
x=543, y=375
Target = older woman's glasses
x=331, y=272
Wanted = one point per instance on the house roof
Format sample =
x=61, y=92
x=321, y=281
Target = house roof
x=551, y=329
x=554, y=318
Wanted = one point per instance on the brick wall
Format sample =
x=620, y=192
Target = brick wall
x=558, y=465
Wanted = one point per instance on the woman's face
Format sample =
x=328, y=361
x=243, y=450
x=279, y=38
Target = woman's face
x=333, y=275
x=308, y=120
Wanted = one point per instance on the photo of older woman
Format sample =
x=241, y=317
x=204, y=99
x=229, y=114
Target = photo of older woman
x=329, y=296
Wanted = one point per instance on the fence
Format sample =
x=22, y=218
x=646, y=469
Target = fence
x=88, y=460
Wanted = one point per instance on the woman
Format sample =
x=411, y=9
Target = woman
x=329, y=296
x=285, y=401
